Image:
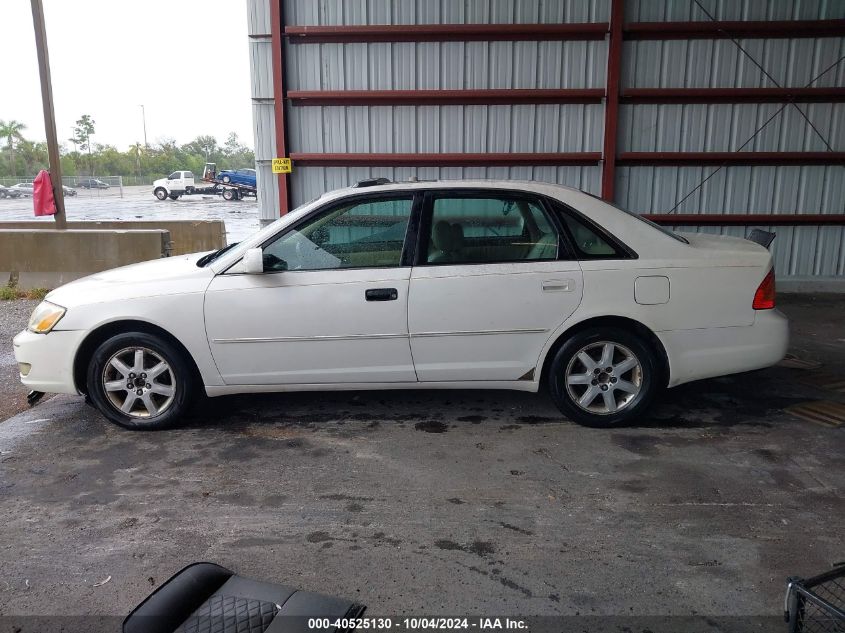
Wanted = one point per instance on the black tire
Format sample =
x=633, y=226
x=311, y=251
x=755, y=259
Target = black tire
x=173, y=196
x=229, y=194
x=179, y=375
x=646, y=376
x=160, y=193
x=227, y=179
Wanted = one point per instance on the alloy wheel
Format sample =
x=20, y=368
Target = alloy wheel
x=139, y=382
x=603, y=377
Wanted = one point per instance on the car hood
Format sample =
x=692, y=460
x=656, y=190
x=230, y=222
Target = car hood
x=165, y=276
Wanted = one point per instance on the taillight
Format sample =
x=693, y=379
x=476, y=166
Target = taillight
x=764, y=298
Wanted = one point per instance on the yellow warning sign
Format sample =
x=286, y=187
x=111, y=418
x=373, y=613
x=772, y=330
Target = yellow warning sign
x=281, y=166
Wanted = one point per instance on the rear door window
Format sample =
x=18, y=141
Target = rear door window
x=489, y=229
x=588, y=241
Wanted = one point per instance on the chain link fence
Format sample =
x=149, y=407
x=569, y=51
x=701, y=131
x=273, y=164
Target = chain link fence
x=82, y=186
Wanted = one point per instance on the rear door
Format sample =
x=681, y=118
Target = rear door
x=492, y=280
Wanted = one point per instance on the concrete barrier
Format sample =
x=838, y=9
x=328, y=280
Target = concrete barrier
x=188, y=236
x=48, y=258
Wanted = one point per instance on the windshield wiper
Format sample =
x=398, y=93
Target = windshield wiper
x=205, y=260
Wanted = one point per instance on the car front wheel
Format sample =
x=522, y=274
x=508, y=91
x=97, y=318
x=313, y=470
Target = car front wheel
x=604, y=377
x=140, y=381
x=160, y=193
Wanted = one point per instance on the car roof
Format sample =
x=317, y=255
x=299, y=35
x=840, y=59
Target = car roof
x=624, y=226
x=569, y=195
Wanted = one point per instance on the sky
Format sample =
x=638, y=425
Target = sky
x=186, y=61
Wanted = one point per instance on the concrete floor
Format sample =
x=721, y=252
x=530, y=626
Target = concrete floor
x=442, y=502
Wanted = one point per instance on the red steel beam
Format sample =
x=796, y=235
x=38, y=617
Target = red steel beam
x=276, y=26
x=443, y=97
x=611, y=108
x=444, y=160
x=747, y=219
x=736, y=29
x=733, y=95
x=660, y=159
x=445, y=32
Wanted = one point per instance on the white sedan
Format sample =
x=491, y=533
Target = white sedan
x=429, y=285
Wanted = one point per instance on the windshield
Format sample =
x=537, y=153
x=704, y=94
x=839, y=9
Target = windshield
x=660, y=228
x=257, y=238
x=657, y=226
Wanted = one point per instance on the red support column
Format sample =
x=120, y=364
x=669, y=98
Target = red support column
x=611, y=108
x=276, y=36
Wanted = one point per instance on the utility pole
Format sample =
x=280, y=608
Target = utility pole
x=49, y=113
x=144, y=119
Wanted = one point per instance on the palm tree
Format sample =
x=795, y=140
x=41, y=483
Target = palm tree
x=137, y=149
x=11, y=131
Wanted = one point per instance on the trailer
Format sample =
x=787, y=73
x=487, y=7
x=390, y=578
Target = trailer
x=183, y=183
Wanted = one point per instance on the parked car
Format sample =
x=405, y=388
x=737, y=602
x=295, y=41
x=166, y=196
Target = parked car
x=91, y=183
x=8, y=192
x=459, y=284
x=237, y=177
x=22, y=189
x=68, y=191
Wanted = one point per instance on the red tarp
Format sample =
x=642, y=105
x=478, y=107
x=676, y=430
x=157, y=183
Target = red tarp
x=43, y=201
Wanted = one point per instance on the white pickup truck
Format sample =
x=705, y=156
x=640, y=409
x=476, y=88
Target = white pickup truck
x=176, y=184
x=182, y=183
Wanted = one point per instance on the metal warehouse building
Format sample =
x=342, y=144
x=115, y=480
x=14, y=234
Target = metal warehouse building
x=707, y=115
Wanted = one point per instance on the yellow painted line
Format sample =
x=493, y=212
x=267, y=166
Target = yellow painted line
x=823, y=412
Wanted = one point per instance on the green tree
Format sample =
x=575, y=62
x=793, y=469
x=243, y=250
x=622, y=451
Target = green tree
x=136, y=151
x=82, y=133
x=159, y=159
x=34, y=156
x=203, y=145
x=237, y=156
x=11, y=131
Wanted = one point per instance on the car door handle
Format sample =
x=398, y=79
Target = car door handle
x=558, y=285
x=381, y=294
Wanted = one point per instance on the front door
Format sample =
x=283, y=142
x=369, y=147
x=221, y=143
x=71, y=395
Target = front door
x=489, y=288
x=331, y=306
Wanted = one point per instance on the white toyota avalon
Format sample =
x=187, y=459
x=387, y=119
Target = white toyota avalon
x=429, y=285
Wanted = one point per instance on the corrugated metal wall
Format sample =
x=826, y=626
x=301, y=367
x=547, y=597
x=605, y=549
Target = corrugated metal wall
x=445, y=65
x=263, y=106
x=800, y=252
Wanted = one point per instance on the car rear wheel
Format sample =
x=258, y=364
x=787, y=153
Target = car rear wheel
x=227, y=179
x=604, y=377
x=160, y=193
x=231, y=194
x=140, y=381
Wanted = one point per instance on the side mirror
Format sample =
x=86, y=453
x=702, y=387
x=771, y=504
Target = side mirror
x=254, y=261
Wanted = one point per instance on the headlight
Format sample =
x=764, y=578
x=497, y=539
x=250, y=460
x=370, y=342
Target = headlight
x=45, y=317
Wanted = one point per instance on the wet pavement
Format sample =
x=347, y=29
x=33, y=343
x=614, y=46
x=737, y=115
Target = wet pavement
x=138, y=203
x=443, y=502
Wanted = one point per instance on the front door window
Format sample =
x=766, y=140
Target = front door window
x=362, y=234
